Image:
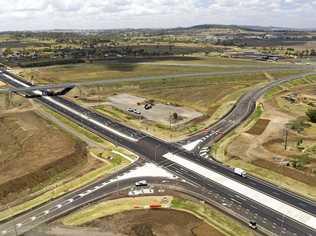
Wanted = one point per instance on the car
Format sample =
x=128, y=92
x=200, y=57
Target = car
x=253, y=224
x=130, y=109
x=148, y=106
x=141, y=183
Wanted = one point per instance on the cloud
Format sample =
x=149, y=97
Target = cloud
x=44, y=14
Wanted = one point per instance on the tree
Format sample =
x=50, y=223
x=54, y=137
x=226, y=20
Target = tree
x=311, y=114
x=299, y=124
x=7, y=52
x=175, y=115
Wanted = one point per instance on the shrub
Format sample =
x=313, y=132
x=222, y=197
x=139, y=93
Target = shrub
x=311, y=114
x=299, y=124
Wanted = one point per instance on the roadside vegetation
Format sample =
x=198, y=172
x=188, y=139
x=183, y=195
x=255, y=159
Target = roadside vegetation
x=283, y=151
x=213, y=96
x=221, y=222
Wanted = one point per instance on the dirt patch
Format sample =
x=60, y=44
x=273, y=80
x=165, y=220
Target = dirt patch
x=259, y=127
x=32, y=153
x=160, y=113
x=264, y=144
x=2, y=84
x=154, y=222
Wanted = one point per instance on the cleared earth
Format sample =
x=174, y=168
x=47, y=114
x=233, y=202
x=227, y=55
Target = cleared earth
x=271, y=144
x=155, y=222
x=34, y=153
x=160, y=113
x=138, y=223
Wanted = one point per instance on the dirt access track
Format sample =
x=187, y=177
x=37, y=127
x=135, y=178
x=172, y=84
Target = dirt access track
x=32, y=153
x=263, y=144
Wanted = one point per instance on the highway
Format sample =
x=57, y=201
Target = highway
x=155, y=150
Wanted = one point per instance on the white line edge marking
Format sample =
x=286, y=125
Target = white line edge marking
x=253, y=194
x=38, y=92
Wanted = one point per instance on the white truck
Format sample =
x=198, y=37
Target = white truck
x=240, y=172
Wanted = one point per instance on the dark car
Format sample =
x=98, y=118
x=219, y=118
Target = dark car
x=253, y=224
x=148, y=106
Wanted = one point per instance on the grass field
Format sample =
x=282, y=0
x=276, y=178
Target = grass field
x=103, y=71
x=114, y=70
x=213, y=96
x=215, y=60
x=202, y=94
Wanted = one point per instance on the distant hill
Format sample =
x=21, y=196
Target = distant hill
x=244, y=27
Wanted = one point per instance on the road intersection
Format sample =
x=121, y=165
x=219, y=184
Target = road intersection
x=298, y=218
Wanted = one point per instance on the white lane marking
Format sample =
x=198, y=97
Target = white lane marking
x=192, y=145
x=270, y=202
x=38, y=92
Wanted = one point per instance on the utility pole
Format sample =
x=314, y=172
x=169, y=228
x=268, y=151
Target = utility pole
x=285, y=136
x=170, y=119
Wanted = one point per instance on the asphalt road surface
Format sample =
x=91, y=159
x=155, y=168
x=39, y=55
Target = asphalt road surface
x=153, y=149
x=240, y=112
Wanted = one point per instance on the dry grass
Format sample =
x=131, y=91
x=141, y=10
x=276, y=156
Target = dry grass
x=103, y=71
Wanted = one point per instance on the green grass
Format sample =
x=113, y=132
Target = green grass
x=215, y=218
x=106, y=208
x=78, y=128
x=219, y=220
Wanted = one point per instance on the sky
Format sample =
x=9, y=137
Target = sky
x=112, y=14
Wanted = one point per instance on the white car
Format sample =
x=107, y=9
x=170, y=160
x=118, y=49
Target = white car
x=141, y=183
